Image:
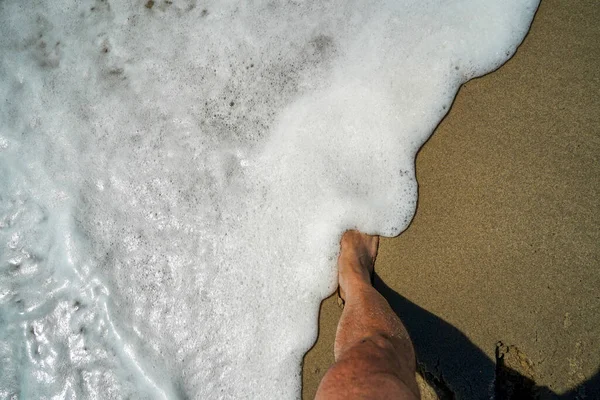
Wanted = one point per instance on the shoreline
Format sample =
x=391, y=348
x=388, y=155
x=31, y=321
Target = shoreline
x=504, y=244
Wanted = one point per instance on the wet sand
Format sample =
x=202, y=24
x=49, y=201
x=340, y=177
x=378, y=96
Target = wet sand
x=505, y=245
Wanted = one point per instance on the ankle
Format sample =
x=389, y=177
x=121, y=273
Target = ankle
x=354, y=284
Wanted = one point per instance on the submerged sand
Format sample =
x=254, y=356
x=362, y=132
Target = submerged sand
x=505, y=245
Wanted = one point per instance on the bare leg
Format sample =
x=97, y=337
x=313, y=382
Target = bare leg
x=374, y=356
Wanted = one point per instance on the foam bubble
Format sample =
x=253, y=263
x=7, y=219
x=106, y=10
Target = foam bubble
x=175, y=177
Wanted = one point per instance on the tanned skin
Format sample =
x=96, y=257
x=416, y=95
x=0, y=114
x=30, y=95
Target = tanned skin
x=374, y=357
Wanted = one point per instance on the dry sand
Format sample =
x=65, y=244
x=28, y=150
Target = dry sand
x=505, y=245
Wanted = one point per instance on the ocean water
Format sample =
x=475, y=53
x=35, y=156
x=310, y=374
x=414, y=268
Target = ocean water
x=175, y=177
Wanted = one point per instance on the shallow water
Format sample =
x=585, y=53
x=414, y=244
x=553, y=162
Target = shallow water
x=175, y=177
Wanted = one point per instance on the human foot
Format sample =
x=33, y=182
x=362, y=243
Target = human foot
x=356, y=260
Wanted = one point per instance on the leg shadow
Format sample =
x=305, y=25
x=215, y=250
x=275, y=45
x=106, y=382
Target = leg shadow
x=444, y=353
x=588, y=390
x=458, y=369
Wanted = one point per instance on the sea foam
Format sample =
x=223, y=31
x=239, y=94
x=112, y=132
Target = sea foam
x=175, y=177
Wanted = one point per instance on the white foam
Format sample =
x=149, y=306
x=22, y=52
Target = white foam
x=175, y=179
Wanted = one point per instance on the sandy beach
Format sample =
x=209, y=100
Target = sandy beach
x=503, y=256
